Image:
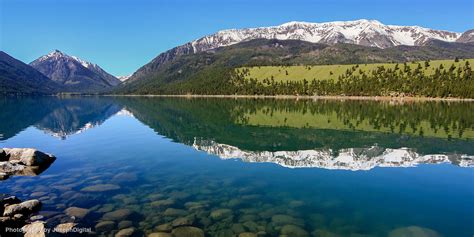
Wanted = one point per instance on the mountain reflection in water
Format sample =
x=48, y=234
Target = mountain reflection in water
x=352, y=135
x=345, y=159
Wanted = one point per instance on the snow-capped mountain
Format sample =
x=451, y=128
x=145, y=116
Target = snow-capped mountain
x=466, y=37
x=344, y=159
x=361, y=32
x=74, y=73
x=124, y=78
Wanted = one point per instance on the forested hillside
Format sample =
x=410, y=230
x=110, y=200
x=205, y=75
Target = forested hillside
x=217, y=71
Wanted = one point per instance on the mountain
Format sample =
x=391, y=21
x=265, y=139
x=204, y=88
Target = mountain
x=17, y=77
x=76, y=75
x=370, y=33
x=361, y=32
x=123, y=78
x=210, y=69
x=466, y=37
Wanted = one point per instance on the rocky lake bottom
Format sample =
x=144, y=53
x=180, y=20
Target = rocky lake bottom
x=122, y=172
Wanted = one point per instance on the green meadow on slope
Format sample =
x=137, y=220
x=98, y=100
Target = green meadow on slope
x=231, y=70
x=333, y=72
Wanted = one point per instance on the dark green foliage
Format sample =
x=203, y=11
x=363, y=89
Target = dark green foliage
x=454, y=82
x=212, y=72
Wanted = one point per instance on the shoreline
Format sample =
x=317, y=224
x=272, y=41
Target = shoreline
x=306, y=97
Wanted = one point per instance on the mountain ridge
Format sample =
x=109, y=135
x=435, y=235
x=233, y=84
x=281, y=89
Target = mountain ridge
x=214, y=65
x=75, y=74
x=17, y=77
x=359, y=32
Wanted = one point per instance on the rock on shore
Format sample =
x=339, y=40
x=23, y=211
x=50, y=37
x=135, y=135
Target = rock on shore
x=23, y=162
x=14, y=212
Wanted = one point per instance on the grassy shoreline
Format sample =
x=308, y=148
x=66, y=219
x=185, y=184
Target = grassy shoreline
x=376, y=98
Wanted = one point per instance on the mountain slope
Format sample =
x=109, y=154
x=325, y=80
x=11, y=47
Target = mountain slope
x=361, y=32
x=466, y=37
x=211, y=68
x=17, y=77
x=74, y=74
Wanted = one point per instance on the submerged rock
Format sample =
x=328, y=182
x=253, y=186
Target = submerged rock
x=294, y=231
x=124, y=177
x=8, y=200
x=160, y=234
x=413, y=231
x=221, y=214
x=105, y=226
x=175, y=212
x=247, y=234
x=126, y=232
x=187, y=231
x=101, y=188
x=323, y=233
x=35, y=229
x=125, y=224
x=163, y=203
x=183, y=221
x=280, y=220
x=167, y=227
x=117, y=215
x=77, y=212
x=64, y=228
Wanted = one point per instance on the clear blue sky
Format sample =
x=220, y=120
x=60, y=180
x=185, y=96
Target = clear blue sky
x=122, y=35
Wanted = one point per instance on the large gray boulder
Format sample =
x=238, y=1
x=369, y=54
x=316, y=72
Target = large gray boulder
x=26, y=208
x=23, y=161
x=28, y=156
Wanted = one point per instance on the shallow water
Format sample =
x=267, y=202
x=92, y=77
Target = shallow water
x=227, y=166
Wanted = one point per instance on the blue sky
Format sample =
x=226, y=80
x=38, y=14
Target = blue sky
x=122, y=35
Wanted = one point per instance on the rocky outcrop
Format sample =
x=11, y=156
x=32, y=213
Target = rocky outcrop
x=23, y=162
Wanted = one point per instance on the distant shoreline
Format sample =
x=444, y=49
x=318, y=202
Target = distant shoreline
x=306, y=97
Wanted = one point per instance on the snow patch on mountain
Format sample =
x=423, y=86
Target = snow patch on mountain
x=124, y=78
x=363, y=32
x=54, y=63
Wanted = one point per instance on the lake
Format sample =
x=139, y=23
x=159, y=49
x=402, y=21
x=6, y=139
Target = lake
x=254, y=167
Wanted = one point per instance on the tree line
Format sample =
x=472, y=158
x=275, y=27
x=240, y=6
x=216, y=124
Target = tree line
x=401, y=80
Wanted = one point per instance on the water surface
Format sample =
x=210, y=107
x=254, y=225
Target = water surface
x=227, y=166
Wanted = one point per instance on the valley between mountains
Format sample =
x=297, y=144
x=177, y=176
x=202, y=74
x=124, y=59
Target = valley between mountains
x=351, y=58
